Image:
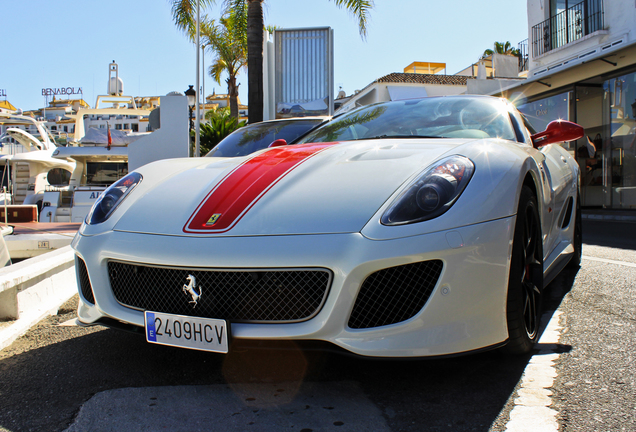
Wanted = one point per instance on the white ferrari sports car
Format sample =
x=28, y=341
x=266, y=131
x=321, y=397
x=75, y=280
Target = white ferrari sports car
x=412, y=228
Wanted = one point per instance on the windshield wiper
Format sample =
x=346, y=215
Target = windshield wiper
x=399, y=136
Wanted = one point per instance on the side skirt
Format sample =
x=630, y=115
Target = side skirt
x=557, y=265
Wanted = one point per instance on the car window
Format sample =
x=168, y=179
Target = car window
x=443, y=117
x=528, y=125
x=258, y=136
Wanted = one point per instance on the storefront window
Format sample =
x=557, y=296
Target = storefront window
x=620, y=114
x=590, y=148
x=541, y=112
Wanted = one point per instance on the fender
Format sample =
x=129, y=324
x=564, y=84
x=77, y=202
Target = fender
x=493, y=193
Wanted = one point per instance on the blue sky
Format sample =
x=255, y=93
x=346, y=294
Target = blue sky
x=50, y=44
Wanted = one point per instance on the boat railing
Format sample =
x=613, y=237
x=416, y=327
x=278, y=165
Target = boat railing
x=54, y=188
x=93, y=187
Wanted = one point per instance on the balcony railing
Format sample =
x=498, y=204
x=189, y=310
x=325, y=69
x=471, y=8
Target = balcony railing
x=522, y=47
x=568, y=26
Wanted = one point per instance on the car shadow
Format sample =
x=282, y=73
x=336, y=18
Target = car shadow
x=44, y=387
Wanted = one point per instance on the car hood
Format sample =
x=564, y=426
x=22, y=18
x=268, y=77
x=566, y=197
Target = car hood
x=304, y=189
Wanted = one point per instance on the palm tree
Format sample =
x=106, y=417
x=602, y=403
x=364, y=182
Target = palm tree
x=184, y=13
x=255, y=24
x=228, y=43
x=501, y=48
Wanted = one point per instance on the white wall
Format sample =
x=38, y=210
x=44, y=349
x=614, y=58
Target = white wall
x=489, y=86
x=170, y=141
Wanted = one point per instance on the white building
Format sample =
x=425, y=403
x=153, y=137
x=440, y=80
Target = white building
x=582, y=67
x=419, y=79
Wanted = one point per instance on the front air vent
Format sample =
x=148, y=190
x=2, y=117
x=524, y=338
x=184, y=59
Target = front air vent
x=394, y=294
x=84, y=281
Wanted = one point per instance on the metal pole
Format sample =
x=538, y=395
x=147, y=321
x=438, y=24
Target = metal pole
x=196, y=130
x=6, y=214
x=203, y=77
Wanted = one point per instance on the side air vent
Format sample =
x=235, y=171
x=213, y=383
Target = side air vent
x=567, y=214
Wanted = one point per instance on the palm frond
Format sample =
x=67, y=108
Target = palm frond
x=359, y=9
x=184, y=13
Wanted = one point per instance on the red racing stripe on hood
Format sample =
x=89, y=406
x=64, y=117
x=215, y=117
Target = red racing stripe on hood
x=238, y=191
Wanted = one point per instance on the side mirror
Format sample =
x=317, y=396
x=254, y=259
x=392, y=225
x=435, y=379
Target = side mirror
x=557, y=131
x=277, y=143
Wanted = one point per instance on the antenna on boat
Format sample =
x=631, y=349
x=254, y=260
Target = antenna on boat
x=115, y=84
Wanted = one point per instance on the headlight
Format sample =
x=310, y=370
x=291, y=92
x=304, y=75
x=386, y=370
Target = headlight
x=111, y=198
x=432, y=194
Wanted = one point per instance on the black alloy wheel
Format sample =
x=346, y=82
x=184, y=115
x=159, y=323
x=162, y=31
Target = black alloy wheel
x=525, y=284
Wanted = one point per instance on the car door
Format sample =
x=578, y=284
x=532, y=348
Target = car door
x=560, y=177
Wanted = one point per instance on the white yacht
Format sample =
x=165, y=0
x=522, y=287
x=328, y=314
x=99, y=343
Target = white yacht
x=28, y=168
x=103, y=155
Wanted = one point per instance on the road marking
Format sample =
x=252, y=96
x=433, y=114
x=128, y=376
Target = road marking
x=532, y=412
x=607, y=261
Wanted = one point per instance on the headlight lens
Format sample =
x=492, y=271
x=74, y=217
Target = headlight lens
x=432, y=194
x=111, y=198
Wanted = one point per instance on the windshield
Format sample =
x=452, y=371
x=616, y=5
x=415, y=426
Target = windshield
x=435, y=117
x=258, y=136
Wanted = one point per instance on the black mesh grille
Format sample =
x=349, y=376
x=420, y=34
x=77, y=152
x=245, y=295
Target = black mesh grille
x=85, y=283
x=284, y=295
x=394, y=294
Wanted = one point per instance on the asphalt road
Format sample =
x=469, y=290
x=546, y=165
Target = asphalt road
x=63, y=377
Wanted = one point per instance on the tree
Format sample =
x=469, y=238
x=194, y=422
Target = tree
x=228, y=43
x=184, y=13
x=220, y=125
x=255, y=25
x=501, y=48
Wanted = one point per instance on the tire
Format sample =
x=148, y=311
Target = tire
x=525, y=283
x=577, y=241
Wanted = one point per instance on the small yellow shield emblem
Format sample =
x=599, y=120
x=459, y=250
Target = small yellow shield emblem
x=213, y=219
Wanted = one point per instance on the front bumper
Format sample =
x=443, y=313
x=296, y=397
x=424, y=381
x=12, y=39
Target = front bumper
x=466, y=310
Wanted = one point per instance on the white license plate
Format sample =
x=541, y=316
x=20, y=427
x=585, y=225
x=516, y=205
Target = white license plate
x=204, y=334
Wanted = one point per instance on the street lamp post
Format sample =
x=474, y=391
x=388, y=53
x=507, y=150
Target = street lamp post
x=191, y=95
x=198, y=90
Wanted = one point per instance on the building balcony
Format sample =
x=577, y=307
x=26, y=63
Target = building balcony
x=522, y=48
x=568, y=26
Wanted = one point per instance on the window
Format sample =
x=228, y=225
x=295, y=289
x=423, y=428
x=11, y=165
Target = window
x=58, y=177
x=569, y=20
x=619, y=149
x=541, y=112
x=105, y=173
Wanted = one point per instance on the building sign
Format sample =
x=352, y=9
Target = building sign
x=61, y=91
x=3, y=93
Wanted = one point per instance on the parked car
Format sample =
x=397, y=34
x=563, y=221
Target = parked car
x=257, y=136
x=404, y=229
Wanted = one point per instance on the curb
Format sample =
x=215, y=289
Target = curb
x=34, y=289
